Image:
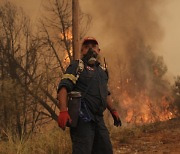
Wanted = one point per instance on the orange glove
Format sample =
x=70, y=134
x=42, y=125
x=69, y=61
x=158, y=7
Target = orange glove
x=115, y=115
x=63, y=119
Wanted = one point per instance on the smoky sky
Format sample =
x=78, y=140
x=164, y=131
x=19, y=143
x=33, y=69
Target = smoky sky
x=160, y=12
x=119, y=22
x=129, y=32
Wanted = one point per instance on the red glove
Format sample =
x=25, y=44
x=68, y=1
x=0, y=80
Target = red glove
x=117, y=121
x=63, y=119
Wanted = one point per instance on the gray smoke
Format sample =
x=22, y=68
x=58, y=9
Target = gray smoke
x=129, y=32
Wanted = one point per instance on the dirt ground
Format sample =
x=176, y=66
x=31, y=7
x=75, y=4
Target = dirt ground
x=161, y=137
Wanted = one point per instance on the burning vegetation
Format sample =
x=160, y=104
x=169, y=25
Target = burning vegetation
x=143, y=96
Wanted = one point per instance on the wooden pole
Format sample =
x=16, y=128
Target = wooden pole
x=75, y=29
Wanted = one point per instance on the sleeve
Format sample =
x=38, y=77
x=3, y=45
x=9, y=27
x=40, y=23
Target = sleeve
x=107, y=73
x=69, y=79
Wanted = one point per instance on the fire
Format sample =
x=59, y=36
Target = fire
x=142, y=109
x=68, y=39
x=68, y=35
x=66, y=58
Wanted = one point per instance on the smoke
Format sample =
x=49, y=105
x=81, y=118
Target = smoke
x=129, y=32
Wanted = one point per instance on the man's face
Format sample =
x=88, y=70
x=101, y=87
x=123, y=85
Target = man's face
x=86, y=47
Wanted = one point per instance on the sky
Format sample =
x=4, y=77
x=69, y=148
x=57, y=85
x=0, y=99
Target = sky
x=169, y=19
x=170, y=45
x=168, y=14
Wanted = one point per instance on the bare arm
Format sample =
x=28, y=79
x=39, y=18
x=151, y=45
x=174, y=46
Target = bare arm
x=62, y=97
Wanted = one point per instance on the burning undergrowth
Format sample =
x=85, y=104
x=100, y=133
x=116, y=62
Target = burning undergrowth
x=141, y=89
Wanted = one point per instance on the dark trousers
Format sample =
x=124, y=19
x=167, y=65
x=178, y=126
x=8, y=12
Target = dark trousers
x=90, y=138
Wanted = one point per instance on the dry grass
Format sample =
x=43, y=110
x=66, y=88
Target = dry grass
x=125, y=134
x=54, y=141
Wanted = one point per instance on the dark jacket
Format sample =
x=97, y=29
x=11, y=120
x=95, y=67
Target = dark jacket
x=93, y=77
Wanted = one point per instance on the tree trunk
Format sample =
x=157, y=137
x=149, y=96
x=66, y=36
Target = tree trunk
x=75, y=29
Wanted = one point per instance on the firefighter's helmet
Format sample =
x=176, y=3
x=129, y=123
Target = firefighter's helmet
x=89, y=40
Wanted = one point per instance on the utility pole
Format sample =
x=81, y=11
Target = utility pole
x=75, y=29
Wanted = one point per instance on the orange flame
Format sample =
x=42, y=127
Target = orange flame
x=68, y=35
x=142, y=109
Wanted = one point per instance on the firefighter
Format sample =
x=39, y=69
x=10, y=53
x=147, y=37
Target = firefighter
x=90, y=135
